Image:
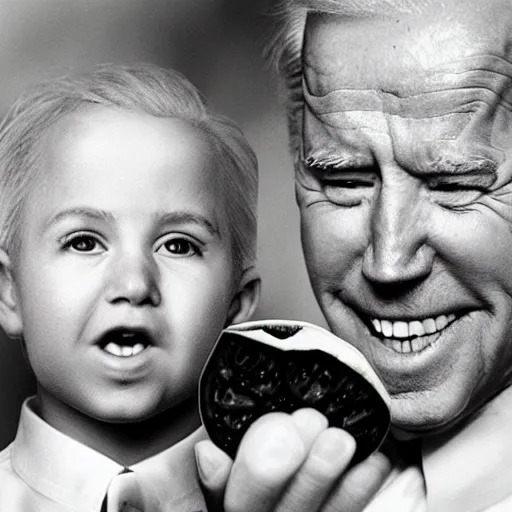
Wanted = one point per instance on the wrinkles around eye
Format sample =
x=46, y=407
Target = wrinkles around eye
x=500, y=204
x=457, y=199
x=343, y=187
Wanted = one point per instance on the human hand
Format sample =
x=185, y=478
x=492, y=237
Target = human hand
x=290, y=463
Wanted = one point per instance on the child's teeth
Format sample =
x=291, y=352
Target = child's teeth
x=114, y=349
x=126, y=351
x=123, y=351
x=137, y=349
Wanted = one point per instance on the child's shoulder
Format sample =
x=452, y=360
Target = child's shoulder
x=5, y=458
x=16, y=494
x=11, y=485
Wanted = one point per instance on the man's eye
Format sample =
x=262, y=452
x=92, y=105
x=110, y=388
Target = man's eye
x=84, y=244
x=349, y=190
x=349, y=183
x=454, y=194
x=449, y=187
x=179, y=247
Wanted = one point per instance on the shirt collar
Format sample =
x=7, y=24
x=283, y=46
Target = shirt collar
x=171, y=475
x=469, y=469
x=73, y=474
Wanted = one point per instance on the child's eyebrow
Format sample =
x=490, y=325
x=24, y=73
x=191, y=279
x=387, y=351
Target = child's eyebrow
x=81, y=211
x=173, y=218
x=184, y=217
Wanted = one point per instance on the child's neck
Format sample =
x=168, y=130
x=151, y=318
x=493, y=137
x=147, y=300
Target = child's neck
x=126, y=443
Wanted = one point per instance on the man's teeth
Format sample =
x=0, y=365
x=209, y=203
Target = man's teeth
x=404, y=330
x=405, y=337
x=123, y=350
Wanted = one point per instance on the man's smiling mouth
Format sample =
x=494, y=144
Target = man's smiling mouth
x=125, y=342
x=411, y=336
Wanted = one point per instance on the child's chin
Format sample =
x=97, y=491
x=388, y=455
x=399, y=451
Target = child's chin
x=128, y=412
x=138, y=410
x=127, y=418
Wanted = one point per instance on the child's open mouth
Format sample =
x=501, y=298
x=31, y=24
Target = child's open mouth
x=125, y=342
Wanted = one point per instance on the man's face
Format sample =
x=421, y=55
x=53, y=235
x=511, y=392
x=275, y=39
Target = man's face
x=404, y=187
x=124, y=276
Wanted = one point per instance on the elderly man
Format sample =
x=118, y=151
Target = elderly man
x=401, y=126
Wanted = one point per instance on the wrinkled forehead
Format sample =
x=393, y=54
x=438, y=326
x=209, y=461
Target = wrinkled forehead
x=368, y=53
x=438, y=84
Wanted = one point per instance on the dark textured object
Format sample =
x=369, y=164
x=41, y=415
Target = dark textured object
x=260, y=367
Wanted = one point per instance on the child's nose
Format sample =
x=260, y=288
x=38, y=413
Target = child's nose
x=133, y=279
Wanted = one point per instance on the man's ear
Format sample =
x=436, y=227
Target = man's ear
x=10, y=317
x=246, y=299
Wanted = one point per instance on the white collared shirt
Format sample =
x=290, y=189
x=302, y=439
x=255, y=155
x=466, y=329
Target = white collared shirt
x=43, y=470
x=467, y=470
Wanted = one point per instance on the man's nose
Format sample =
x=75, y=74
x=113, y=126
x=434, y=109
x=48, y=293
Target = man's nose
x=133, y=279
x=398, y=251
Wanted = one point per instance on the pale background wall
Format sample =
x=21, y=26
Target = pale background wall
x=218, y=45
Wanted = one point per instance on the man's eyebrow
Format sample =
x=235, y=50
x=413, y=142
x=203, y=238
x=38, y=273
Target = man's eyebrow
x=471, y=167
x=327, y=161
x=186, y=217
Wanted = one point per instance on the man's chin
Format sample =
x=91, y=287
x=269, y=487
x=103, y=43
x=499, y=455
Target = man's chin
x=411, y=419
x=408, y=432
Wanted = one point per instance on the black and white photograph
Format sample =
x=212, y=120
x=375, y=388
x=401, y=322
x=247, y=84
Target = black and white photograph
x=255, y=256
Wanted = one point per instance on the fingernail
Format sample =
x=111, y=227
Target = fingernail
x=334, y=446
x=207, y=460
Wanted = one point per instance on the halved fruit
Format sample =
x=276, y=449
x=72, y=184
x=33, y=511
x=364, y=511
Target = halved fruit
x=281, y=365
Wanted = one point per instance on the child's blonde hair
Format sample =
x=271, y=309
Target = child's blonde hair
x=141, y=88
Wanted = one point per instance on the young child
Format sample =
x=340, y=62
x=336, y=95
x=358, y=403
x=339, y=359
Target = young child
x=128, y=229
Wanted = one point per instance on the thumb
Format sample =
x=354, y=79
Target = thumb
x=214, y=467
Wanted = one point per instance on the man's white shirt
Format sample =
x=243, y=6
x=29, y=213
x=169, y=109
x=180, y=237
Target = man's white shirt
x=466, y=470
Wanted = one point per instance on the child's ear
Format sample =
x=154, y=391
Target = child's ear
x=10, y=317
x=246, y=299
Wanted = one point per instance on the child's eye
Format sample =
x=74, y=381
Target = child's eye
x=84, y=243
x=179, y=247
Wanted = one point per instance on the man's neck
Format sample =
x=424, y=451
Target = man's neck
x=125, y=443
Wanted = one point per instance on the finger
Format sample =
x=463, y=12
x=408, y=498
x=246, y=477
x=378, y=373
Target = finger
x=359, y=485
x=214, y=467
x=330, y=455
x=269, y=455
x=310, y=423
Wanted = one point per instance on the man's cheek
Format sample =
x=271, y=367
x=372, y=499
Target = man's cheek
x=316, y=250
x=325, y=248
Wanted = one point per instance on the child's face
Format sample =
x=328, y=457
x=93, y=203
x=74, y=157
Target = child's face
x=124, y=278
